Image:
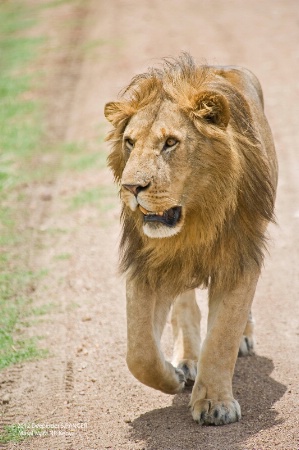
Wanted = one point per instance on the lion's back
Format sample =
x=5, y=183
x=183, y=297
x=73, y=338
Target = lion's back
x=249, y=85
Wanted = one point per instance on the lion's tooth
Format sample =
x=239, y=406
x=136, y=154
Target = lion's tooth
x=143, y=210
x=150, y=213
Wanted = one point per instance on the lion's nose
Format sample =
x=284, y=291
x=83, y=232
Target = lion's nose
x=135, y=188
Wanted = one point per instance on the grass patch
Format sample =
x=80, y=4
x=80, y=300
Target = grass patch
x=43, y=309
x=20, y=130
x=93, y=160
x=55, y=3
x=19, y=432
x=62, y=256
x=13, y=308
x=20, y=143
x=19, y=126
x=22, y=350
x=77, y=157
x=13, y=433
x=20, y=135
x=102, y=197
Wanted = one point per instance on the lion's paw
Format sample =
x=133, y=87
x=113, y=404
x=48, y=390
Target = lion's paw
x=173, y=380
x=208, y=412
x=247, y=346
x=189, y=367
x=181, y=378
x=180, y=374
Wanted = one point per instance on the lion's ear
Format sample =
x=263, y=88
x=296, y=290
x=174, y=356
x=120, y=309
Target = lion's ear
x=117, y=112
x=213, y=108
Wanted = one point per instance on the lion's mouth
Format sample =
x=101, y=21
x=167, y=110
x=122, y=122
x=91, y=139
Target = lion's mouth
x=169, y=218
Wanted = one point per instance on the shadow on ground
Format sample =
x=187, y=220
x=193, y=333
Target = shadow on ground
x=172, y=428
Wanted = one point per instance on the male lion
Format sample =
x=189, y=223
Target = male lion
x=194, y=156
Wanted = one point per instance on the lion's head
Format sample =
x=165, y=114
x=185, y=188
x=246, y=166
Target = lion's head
x=183, y=141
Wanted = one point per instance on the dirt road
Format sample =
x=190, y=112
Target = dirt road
x=84, y=382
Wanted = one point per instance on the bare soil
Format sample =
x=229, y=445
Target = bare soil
x=93, y=50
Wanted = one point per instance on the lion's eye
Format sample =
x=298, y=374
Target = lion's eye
x=170, y=142
x=129, y=143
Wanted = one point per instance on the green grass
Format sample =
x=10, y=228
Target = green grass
x=88, y=161
x=19, y=432
x=77, y=156
x=20, y=130
x=103, y=197
x=43, y=309
x=62, y=257
x=13, y=433
x=26, y=350
x=20, y=135
x=55, y=3
x=14, y=307
x=21, y=141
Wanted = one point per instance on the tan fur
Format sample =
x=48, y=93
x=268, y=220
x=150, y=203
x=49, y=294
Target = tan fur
x=222, y=173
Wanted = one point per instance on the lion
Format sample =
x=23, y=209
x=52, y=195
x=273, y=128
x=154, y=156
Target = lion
x=194, y=157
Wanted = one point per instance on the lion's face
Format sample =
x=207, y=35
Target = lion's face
x=174, y=163
x=156, y=146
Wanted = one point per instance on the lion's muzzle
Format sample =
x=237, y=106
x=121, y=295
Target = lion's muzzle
x=160, y=219
x=169, y=217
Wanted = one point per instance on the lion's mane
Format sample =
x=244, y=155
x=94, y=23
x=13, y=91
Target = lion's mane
x=217, y=244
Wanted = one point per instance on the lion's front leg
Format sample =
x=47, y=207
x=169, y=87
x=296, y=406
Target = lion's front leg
x=212, y=400
x=146, y=317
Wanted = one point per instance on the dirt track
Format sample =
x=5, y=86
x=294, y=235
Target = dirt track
x=85, y=380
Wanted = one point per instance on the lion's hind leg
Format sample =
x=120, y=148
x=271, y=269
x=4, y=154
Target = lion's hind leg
x=186, y=332
x=247, y=342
